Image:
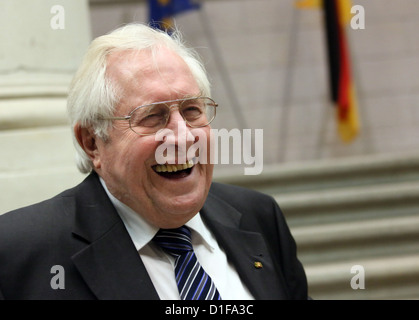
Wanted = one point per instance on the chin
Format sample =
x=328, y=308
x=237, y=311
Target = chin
x=186, y=205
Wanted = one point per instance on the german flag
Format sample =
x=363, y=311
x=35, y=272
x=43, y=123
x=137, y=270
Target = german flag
x=337, y=15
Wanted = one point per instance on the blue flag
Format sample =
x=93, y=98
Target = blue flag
x=161, y=12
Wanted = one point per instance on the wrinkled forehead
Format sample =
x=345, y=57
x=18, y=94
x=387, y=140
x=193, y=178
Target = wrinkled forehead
x=123, y=67
x=147, y=76
x=132, y=65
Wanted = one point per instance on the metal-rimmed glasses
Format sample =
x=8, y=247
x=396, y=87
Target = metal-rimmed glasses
x=148, y=119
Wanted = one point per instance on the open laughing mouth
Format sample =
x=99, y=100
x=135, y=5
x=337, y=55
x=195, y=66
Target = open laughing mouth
x=174, y=171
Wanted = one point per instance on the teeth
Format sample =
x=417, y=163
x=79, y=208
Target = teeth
x=173, y=167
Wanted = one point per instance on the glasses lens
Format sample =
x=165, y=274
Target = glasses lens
x=198, y=112
x=149, y=119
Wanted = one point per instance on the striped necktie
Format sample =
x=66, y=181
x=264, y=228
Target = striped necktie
x=192, y=281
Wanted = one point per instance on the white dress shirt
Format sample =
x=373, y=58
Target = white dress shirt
x=160, y=265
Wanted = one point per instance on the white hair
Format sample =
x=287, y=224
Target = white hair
x=93, y=95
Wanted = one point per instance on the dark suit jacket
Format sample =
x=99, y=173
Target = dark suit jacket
x=81, y=231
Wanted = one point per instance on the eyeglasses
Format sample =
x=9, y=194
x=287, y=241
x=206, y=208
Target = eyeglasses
x=148, y=119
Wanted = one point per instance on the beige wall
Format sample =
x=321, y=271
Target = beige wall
x=37, y=62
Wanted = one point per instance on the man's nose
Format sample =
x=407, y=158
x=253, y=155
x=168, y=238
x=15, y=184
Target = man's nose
x=182, y=134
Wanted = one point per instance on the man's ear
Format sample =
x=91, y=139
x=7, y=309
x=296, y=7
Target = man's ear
x=87, y=141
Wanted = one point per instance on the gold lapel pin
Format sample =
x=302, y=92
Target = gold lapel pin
x=258, y=265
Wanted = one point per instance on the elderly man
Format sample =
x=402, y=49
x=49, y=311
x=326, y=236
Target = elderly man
x=137, y=228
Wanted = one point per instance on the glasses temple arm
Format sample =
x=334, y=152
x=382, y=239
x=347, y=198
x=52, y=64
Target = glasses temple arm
x=115, y=118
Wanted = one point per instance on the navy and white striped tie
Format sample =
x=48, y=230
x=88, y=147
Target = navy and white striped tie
x=192, y=281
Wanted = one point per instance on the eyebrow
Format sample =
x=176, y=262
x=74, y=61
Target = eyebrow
x=187, y=96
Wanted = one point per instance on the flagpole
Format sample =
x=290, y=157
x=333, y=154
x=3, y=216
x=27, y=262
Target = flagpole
x=288, y=79
x=222, y=69
x=368, y=144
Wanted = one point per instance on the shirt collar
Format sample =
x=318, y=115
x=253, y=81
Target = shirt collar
x=142, y=232
x=204, y=236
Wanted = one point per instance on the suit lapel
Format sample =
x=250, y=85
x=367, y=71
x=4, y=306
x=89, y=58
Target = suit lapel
x=109, y=264
x=246, y=250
